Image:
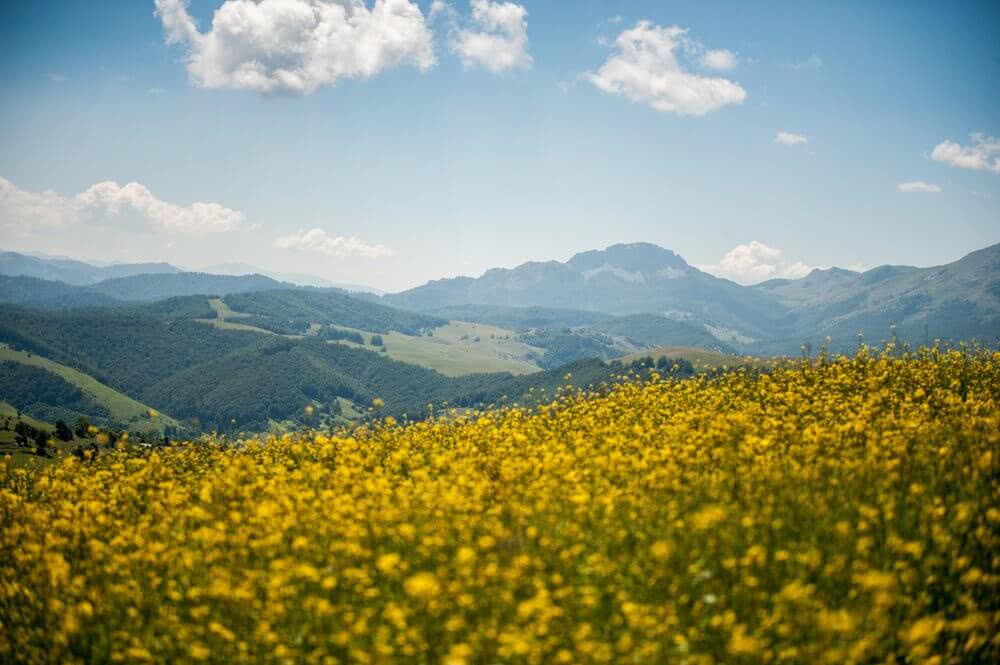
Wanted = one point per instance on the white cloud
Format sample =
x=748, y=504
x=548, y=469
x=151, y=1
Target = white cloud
x=790, y=138
x=796, y=270
x=20, y=208
x=297, y=46
x=646, y=69
x=917, y=186
x=498, y=39
x=756, y=262
x=107, y=202
x=320, y=242
x=982, y=155
x=56, y=78
x=720, y=59
x=438, y=7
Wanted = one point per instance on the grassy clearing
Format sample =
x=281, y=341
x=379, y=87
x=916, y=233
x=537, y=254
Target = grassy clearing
x=465, y=348
x=456, y=349
x=124, y=409
x=226, y=315
x=223, y=311
x=453, y=349
x=223, y=324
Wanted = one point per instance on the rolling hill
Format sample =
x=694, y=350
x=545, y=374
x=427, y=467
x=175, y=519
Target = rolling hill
x=25, y=385
x=231, y=380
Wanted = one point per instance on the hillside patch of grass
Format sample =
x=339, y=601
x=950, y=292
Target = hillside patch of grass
x=122, y=408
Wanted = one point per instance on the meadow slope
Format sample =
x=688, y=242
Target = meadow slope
x=844, y=511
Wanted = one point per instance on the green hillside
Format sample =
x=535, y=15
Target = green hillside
x=453, y=348
x=296, y=309
x=238, y=380
x=113, y=406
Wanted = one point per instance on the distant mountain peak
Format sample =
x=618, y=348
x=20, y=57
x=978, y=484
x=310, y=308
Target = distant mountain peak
x=638, y=257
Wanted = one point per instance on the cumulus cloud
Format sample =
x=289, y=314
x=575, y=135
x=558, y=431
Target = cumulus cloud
x=106, y=202
x=917, y=186
x=791, y=138
x=646, y=69
x=982, y=155
x=756, y=262
x=320, y=242
x=720, y=59
x=497, y=39
x=297, y=46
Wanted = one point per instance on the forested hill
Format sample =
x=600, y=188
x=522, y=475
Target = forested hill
x=37, y=292
x=240, y=380
x=158, y=287
x=303, y=306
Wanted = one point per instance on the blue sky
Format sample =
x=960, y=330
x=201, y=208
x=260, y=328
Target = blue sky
x=446, y=154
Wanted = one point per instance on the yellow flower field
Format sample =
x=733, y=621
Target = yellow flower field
x=846, y=511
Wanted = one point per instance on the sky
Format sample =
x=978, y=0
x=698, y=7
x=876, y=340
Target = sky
x=391, y=142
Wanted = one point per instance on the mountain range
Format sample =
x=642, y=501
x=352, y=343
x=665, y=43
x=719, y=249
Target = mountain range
x=80, y=273
x=75, y=272
x=623, y=288
x=960, y=300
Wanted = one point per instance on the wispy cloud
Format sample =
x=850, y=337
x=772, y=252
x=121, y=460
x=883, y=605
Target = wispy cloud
x=646, y=69
x=320, y=242
x=55, y=77
x=790, y=138
x=982, y=155
x=812, y=62
x=917, y=186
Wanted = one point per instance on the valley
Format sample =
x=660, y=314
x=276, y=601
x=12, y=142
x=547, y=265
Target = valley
x=233, y=353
